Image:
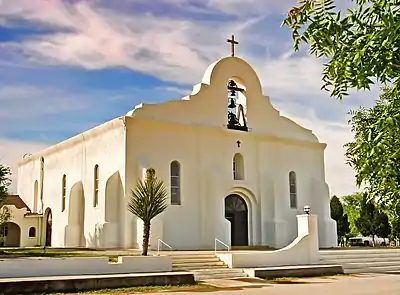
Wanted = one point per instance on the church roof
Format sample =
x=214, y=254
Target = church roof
x=16, y=201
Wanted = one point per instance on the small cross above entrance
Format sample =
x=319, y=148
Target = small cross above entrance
x=238, y=143
x=233, y=43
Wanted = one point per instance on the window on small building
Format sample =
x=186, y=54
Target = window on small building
x=5, y=231
x=96, y=186
x=32, y=232
x=63, y=192
x=175, y=183
x=293, y=190
x=238, y=167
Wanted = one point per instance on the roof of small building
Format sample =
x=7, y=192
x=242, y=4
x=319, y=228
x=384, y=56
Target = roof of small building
x=16, y=201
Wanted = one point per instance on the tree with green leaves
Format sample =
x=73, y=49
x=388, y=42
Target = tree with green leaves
x=395, y=226
x=394, y=218
x=374, y=154
x=373, y=221
x=366, y=222
x=360, y=45
x=342, y=223
x=382, y=226
x=343, y=228
x=5, y=183
x=336, y=208
x=148, y=200
x=352, y=207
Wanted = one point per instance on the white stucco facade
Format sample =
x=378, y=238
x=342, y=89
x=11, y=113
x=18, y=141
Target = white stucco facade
x=105, y=163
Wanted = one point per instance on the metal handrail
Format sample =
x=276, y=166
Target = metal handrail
x=222, y=243
x=164, y=243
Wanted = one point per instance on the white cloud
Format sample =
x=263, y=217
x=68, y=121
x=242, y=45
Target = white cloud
x=12, y=151
x=173, y=49
x=240, y=7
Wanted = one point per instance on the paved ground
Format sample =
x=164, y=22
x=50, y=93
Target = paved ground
x=343, y=285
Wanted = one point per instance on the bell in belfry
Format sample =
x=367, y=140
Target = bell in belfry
x=232, y=119
x=232, y=105
x=232, y=84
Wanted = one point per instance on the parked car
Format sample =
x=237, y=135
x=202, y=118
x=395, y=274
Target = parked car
x=358, y=242
x=366, y=241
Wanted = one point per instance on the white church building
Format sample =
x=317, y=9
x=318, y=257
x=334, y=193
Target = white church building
x=236, y=170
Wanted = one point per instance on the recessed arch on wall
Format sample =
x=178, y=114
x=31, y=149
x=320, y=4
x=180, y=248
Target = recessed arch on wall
x=113, y=198
x=111, y=234
x=76, y=217
x=12, y=235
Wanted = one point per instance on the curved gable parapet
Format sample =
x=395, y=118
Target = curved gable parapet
x=229, y=67
x=207, y=105
x=298, y=131
x=139, y=106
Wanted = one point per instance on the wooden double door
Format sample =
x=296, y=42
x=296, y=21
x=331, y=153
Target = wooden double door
x=236, y=212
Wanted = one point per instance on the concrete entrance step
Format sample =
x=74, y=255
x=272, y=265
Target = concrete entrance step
x=197, y=262
x=359, y=253
x=364, y=261
x=191, y=256
x=218, y=273
x=363, y=258
x=375, y=269
x=372, y=264
x=198, y=267
x=203, y=266
x=236, y=283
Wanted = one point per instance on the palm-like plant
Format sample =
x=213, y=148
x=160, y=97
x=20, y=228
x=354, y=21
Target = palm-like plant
x=148, y=200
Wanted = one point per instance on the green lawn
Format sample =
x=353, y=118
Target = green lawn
x=362, y=248
x=147, y=289
x=9, y=253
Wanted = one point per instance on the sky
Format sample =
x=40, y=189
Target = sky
x=69, y=65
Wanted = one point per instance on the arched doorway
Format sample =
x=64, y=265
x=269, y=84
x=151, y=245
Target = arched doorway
x=236, y=212
x=49, y=227
x=12, y=235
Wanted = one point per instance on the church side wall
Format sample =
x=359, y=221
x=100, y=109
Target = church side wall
x=278, y=159
x=81, y=223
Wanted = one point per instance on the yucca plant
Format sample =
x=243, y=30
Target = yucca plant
x=148, y=200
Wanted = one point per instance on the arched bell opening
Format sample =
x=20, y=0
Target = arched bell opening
x=237, y=106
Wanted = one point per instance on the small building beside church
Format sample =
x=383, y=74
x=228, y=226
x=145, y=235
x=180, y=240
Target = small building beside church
x=236, y=171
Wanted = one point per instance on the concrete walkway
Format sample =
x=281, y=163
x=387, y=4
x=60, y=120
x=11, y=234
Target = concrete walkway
x=343, y=285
